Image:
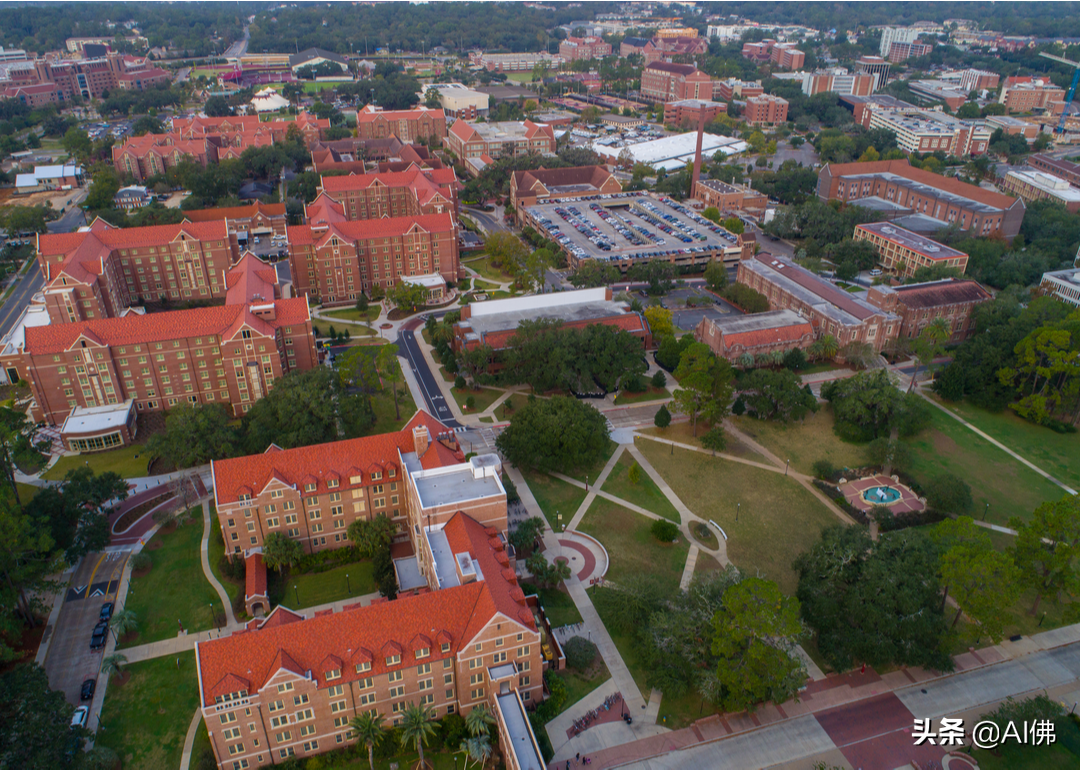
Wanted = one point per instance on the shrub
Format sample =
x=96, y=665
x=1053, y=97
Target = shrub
x=233, y=567
x=634, y=384
x=512, y=495
x=459, y=382
x=824, y=469
x=470, y=403
x=453, y=730
x=634, y=474
x=141, y=561
x=739, y=407
x=580, y=652
x=795, y=359
x=659, y=380
x=662, y=419
x=557, y=695
x=665, y=531
x=949, y=494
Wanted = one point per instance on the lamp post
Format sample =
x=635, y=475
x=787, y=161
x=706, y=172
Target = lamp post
x=786, y=464
x=296, y=595
x=348, y=583
x=586, y=482
x=213, y=617
x=737, y=507
x=986, y=510
x=559, y=517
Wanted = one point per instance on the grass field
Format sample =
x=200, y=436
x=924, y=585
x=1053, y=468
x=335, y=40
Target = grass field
x=129, y=461
x=803, y=442
x=483, y=266
x=554, y=496
x=146, y=719
x=1011, y=489
x=1038, y=445
x=578, y=685
x=644, y=494
x=778, y=519
x=558, y=606
x=314, y=88
x=214, y=553
x=516, y=401
x=623, y=642
x=482, y=398
x=650, y=394
x=631, y=547
x=352, y=314
x=681, y=432
x=1063, y=753
x=316, y=588
x=386, y=420
x=174, y=589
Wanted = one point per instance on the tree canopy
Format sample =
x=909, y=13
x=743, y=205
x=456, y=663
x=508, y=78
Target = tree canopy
x=554, y=434
x=868, y=406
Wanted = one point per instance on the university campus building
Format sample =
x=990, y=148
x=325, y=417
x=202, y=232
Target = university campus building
x=407, y=125
x=409, y=193
x=919, y=304
x=756, y=333
x=902, y=252
x=528, y=188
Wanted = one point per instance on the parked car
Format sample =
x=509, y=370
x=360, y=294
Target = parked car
x=88, y=688
x=875, y=272
x=97, y=639
x=78, y=719
x=106, y=611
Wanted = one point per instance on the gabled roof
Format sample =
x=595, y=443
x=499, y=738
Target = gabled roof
x=453, y=615
x=937, y=293
x=904, y=169
x=298, y=59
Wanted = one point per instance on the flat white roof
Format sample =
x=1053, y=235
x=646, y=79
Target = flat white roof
x=91, y=419
x=429, y=280
x=1056, y=187
x=674, y=151
x=33, y=315
x=537, y=301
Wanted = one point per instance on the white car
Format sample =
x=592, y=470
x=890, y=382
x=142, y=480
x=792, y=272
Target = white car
x=78, y=719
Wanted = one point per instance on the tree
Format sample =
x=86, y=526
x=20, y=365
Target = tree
x=874, y=601
x=390, y=368
x=580, y=653
x=372, y=536
x=123, y=623
x=593, y=272
x=948, y=493
x=633, y=475
x=306, y=408
x=367, y=727
x=195, y=435
x=417, y=728
x=712, y=214
x=77, y=143
x=506, y=251
x=745, y=298
x=776, y=394
x=665, y=531
x=658, y=274
x=754, y=637
x=659, y=319
x=930, y=344
x=869, y=405
x=102, y=190
x=558, y=433
x=480, y=720
x=113, y=664
x=29, y=556
x=535, y=268
x=525, y=533
x=662, y=419
x=547, y=574
x=716, y=275
x=704, y=385
x=477, y=749
x=1047, y=546
x=475, y=362
x=17, y=434
x=714, y=439
x=77, y=513
x=358, y=368
x=217, y=107
x=37, y=720
x=22, y=219
x=889, y=454
x=984, y=582
x=825, y=347
x=432, y=99
x=406, y=296
x=280, y=551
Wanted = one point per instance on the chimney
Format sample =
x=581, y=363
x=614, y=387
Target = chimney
x=421, y=439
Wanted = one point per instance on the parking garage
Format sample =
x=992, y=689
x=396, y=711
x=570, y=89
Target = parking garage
x=626, y=228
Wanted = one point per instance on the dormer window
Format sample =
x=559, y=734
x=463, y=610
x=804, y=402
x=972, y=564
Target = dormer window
x=332, y=483
x=363, y=667
x=335, y=674
x=423, y=652
x=393, y=660
x=309, y=487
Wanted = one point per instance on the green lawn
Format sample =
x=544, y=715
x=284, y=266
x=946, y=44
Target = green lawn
x=579, y=685
x=631, y=548
x=482, y=398
x=146, y=719
x=386, y=420
x=174, y=589
x=201, y=745
x=1011, y=488
x=778, y=518
x=214, y=553
x=129, y=461
x=316, y=588
x=1038, y=445
x=681, y=432
x=650, y=394
x=520, y=77
x=589, y=473
x=803, y=442
x=314, y=88
x=352, y=314
x=482, y=265
x=1063, y=753
x=644, y=494
x=554, y=496
x=624, y=643
x=484, y=285
x=558, y=606
x=517, y=401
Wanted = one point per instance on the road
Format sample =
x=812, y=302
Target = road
x=71, y=219
x=239, y=48
x=28, y=285
x=492, y=221
x=70, y=660
x=435, y=402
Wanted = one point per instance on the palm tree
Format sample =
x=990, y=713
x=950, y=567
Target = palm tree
x=368, y=728
x=478, y=749
x=746, y=360
x=123, y=623
x=479, y=720
x=417, y=728
x=114, y=664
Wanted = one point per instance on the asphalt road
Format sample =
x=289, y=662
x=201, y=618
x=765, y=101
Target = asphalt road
x=435, y=402
x=239, y=48
x=70, y=660
x=27, y=287
x=492, y=221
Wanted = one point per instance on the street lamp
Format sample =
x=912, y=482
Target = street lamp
x=296, y=595
x=213, y=617
x=786, y=464
x=347, y=583
x=986, y=510
x=737, y=507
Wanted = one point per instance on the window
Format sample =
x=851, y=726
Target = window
x=477, y=678
x=307, y=730
x=445, y=647
x=231, y=733
x=397, y=692
x=304, y=715
x=523, y=651
x=499, y=657
x=335, y=674
x=362, y=667
x=338, y=706
x=338, y=689
x=286, y=687
x=393, y=660
x=276, y=706
x=395, y=676
x=227, y=718
x=423, y=652
x=311, y=746
x=300, y=700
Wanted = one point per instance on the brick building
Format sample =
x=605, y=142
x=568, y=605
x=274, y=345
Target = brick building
x=309, y=126
x=408, y=193
x=335, y=259
x=152, y=154
x=528, y=188
x=687, y=112
x=230, y=354
x=733, y=88
x=33, y=95
x=730, y=197
x=288, y=685
x=1063, y=169
x=1032, y=94
x=1013, y=126
x=839, y=82
x=786, y=56
x=765, y=110
x=830, y=310
x=756, y=334
x=863, y=107
x=663, y=82
x=245, y=222
x=1063, y=284
x=499, y=140
x=758, y=52
x=919, y=304
x=900, y=52
x=1037, y=186
x=355, y=156
x=89, y=78
x=101, y=271
x=916, y=192
x=407, y=125
x=933, y=131
x=589, y=47
x=978, y=80
x=665, y=48
x=902, y=252
x=873, y=65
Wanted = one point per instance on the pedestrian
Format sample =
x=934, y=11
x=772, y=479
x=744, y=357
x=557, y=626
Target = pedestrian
x=568, y=764
x=577, y=758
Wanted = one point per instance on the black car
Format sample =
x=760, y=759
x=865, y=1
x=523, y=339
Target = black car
x=88, y=688
x=106, y=612
x=97, y=639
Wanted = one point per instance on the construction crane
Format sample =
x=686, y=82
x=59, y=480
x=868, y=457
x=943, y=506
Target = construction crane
x=1072, y=88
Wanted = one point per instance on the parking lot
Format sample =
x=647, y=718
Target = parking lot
x=268, y=248
x=632, y=226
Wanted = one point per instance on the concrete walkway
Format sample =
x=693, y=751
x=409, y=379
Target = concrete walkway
x=189, y=739
x=996, y=443
x=575, y=520
x=688, y=570
x=204, y=553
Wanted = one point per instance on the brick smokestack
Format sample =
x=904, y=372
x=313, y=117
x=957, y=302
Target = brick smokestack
x=697, y=154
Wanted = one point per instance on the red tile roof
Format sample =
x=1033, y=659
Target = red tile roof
x=936, y=181
x=367, y=634
x=939, y=293
x=316, y=464
x=255, y=576
x=786, y=333
x=364, y=116
x=628, y=322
